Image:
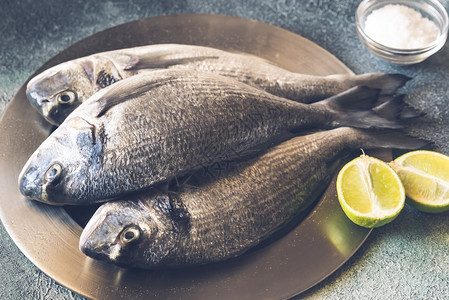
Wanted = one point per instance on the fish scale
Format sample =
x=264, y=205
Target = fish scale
x=186, y=120
x=82, y=77
x=227, y=215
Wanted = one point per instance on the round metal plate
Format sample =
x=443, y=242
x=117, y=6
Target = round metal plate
x=49, y=235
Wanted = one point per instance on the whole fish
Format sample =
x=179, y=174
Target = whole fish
x=154, y=126
x=221, y=218
x=59, y=90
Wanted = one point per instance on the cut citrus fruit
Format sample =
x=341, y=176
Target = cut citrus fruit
x=425, y=176
x=370, y=192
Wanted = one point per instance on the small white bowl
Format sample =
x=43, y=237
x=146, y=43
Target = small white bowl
x=431, y=9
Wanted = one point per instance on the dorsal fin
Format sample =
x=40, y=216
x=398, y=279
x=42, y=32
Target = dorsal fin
x=152, y=61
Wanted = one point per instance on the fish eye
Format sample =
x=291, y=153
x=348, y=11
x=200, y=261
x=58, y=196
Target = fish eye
x=66, y=97
x=130, y=234
x=53, y=173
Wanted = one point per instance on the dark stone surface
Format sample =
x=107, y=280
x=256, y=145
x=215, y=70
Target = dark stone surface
x=405, y=259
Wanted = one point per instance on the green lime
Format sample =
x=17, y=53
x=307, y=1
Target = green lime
x=370, y=192
x=425, y=176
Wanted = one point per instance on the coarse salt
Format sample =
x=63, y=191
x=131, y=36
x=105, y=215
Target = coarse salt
x=399, y=26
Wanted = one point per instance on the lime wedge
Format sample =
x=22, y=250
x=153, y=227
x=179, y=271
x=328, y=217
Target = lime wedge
x=425, y=176
x=370, y=192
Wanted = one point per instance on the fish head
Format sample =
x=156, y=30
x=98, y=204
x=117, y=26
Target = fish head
x=127, y=233
x=56, y=92
x=61, y=169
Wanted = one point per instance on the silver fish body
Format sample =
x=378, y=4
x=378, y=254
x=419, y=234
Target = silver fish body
x=155, y=126
x=59, y=90
x=223, y=217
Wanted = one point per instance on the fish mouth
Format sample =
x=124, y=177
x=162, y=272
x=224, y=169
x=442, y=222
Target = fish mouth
x=101, y=251
x=95, y=246
x=35, y=99
x=30, y=186
x=88, y=243
x=46, y=108
x=50, y=110
x=90, y=228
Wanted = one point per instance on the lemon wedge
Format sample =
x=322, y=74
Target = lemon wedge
x=370, y=192
x=425, y=176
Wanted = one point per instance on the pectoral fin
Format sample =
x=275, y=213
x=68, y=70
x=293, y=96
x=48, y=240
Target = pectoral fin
x=123, y=93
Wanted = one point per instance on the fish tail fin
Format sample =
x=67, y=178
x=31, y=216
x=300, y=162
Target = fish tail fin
x=358, y=107
x=390, y=139
x=387, y=83
x=394, y=107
